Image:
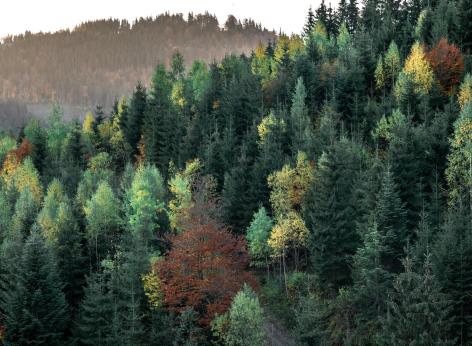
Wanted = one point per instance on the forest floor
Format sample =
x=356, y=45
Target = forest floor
x=277, y=335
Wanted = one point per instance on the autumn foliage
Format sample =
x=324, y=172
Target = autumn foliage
x=205, y=268
x=16, y=156
x=447, y=63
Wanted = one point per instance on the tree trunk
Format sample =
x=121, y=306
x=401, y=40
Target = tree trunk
x=285, y=274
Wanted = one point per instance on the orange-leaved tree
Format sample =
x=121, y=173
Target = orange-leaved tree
x=447, y=64
x=15, y=157
x=206, y=265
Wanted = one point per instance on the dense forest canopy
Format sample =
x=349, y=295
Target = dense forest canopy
x=317, y=191
x=100, y=60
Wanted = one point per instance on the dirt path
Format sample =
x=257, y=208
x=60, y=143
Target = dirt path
x=277, y=335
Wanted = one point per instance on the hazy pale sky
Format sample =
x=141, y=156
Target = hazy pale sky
x=17, y=16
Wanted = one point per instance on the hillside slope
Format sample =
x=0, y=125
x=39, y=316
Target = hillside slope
x=100, y=60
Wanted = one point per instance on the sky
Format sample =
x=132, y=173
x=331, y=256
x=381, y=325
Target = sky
x=17, y=16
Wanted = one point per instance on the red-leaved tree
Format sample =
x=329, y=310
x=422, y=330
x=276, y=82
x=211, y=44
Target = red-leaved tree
x=447, y=64
x=205, y=267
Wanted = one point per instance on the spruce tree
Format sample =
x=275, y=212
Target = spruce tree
x=158, y=131
x=418, y=313
x=390, y=216
x=452, y=258
x=310, y=23
x=134, y=119
x=36, y=135
x=371, y=283
x=94, y=326
x=35, y=310
x=330, y=214
x=321, y=14
x=465, y=12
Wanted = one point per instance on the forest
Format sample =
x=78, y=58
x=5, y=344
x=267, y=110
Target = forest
x=321, y=184
x=98, y=60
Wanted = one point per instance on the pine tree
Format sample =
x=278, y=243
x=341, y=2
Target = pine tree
x=35, y=307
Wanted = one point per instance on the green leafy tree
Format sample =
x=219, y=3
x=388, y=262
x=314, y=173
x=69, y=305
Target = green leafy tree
x=59, y=228
x=180, y=185
x=55, y=137
x=392, y=63
x=459, y=170
x=257, y=235
x=300, y=125
x=242, y=325
x=102, y=222
x=145, y=203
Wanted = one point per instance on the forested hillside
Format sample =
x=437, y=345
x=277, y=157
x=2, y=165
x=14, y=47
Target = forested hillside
x=323, y=181
x=100, y=60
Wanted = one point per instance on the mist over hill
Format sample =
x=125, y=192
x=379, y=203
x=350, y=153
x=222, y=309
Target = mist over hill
x=100, y=60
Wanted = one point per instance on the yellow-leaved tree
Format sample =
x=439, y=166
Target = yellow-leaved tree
x=465, y=92
x=180, y=185
x=418, y=67
x=289, y=186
